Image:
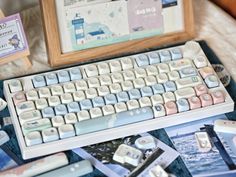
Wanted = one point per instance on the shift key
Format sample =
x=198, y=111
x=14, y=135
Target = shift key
x=188, y=82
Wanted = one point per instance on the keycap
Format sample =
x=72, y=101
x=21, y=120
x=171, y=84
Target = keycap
x=176, y=54
x=117, y=77
x=19, y=97
x=56, y=90
x=126, y=63
x=159, y=110
x=154, y=58
x=85, y=104
x=57, y=121
x=170, y=108
x=145, y=102
x=146, y=142
x=122, y=118
x=70, y=118
x=105, y=80
x=187, y=92
x=25, y=106
x=75, y=74
x=218, y=97
x=170, y=86
x=93, y=82
x=98, y=102
x=48, y=112
x=66, y=98
x=63, y=76
x=83, y=115
x=212, y=81
x=225, y=126
x=128, y=75
x=36, y=125
x=162, y=78
x=95, y=112
x=91, y=70
x=115, y=88
x=194, y=102
x=146, y=91
x=150, y=80
x=115, y=66
x=91, y=93
x=191, y=49
x=69, y=87
x=187, y=72
x=103, y=68
x=151, y=70
x=60, y=109
x=200, y=89
x=200, y=61
x=103, y=90
x=44, y=92
x=78, y=95
x=127, y=85
x=110, y=99
x=120, y=107
x=156, y=99
x=50, y=134
x=180, y=64
x=29, y=116
x=182, y=105
x=54, y=101
x=33, y=138
x=168, y=96
x=122, y=96
x=140, y=73
x=158, y=171
x=108, y=109
x=142, y=60
x=32, y=95
x=66, y=131
x=165, y=56
x=41, y=103
x=207, y=71
x=15, y=85
x=163, y=68
x=134, y=94
x=158, y=89
x=188, y=82
x=173, y=75
x=138, y=83
x=39, y=81
x=73, y=107
x=206, y=100
x=51, y=79
x=132, y=104
x=81, y=85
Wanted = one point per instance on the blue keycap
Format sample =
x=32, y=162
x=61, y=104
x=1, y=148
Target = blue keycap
x=73, y=107
x=122, y=96
x=51, y=79
x=187, y=72
x=170, y=86
x=60, y=109
x=75, y=74
x=98, y=102
x=63, y=76
x=142, y=60
x=165, y=56
x=176, y=54
x=85, y=104
x=134, y=94
x=110, y=99
x=48, y=112
x=39, y=81
x=158, y=89
x=154, y=58
x=146, y=91
x=182, y=105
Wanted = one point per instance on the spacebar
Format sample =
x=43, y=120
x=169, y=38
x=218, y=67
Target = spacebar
x=114, y=120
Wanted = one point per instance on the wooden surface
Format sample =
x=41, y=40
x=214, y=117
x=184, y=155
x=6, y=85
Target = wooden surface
x=56, y=58
x=228, y=5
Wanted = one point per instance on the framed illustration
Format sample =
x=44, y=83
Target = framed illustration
x=79, y=31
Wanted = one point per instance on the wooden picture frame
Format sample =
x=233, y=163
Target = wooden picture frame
x=57, y=58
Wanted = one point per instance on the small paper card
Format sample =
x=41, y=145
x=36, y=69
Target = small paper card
x=12, y=36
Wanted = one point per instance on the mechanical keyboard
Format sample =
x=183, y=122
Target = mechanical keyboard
x=92, y=103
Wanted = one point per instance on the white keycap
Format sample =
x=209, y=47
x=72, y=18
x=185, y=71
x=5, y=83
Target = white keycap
x=200, y=61
x=103, y=68
x=120, y=107
x=191, y=49
x=91, y=70
x=105, y=80
x=81, y=85
x=29, y=116
x=33, y=138
x=163, y=68
x=25, y=106
x=15, y=85
x=180, y=64
x=79, y=95
x=69, y=87
x=41, y=103
x=156, y=99
x=115, y=88
x=83, y=115
x=115, y=66
x=127, y=85
x=168, y=96
x=93, y=82
x=32, y=95
x=150, y=80
x=126, y=63
x=173, y=75
x=151, y=70
x=70, y=118
x=132, y=104
x=50, y=134
x=108, y=109
x=66, y=131
x=139, y=83
x=162, y=78
x=129, y=75
x=44, y=92
x=54, y=101
x=3, y=103
x=103, y=90
x=144, y=102
x=36, y=125
x=159, y=110
x=66, y=98
x=56, y=90
x=184, y=93
x=188, y=82
x=57, y=121
x=91, y=93
x=140, y=73
x=117, y=78
x=95, y=112
x=158, y=171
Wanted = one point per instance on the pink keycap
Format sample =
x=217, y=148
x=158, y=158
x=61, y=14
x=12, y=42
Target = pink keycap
x=19, y=97
x=194, y=102
x=171, y=108
x=218, y=97
x=206, y=72
x=200, y=89
x=206, y=100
